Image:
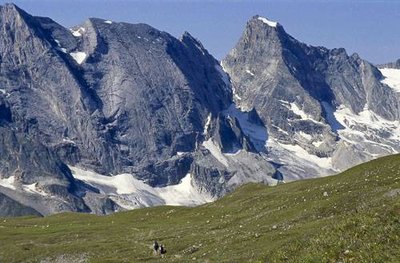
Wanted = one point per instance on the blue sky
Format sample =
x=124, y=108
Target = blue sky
x=368, y=27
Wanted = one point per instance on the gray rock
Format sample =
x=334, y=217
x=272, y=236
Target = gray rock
x=109, y=97
x=296, y=88
x=11, y=208
x=127, y=98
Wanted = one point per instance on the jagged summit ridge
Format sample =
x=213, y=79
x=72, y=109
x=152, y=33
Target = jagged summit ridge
x=121, y=100
x=313, y=100
x=119, y=116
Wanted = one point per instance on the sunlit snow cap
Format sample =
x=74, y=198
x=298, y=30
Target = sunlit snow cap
x=268, y=22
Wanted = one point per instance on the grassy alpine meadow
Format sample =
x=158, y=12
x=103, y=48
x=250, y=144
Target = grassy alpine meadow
x=350, y=217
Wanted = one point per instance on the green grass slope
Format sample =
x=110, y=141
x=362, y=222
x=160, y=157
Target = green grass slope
x=350, y=217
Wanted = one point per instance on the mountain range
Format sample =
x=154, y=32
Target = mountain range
x=109, y=116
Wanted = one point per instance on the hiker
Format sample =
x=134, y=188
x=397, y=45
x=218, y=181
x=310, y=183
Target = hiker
x=162, y=250
x=155, y=247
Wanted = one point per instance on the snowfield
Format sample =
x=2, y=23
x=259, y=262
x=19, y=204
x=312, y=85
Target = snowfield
x=32, y=188
x=215, y=151
x=78, y=56
x=8, y=182
x=392, y=78
x=78, y=32
x=130, y=193
x=257, y=134
x=12, y=184
x=268, y=22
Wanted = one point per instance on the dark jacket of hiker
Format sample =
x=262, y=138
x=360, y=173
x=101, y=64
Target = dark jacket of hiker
x=155, y=246
x=162, y=250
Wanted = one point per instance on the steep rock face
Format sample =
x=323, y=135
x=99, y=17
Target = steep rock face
x=119, y=93
x=114, y=98
x=40, y=83
x=262, y=69
x=153, y=91
x=39, y=94
x=303, y=94
x=34, y=176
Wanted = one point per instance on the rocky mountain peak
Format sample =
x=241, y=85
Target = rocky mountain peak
x=112, y=98
x=262, y=30
x=306, y=95
x=187, y=37
x=265, y=21
x=14, y=18
x=10, y=8
x=191, y=42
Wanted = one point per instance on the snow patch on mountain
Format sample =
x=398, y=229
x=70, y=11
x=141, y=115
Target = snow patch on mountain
x=69, y=141
x=368, y=126
x=78, y=56
x=8, y=182
x=317, y=143
x=130, y=193
x=392, y=78
x=208, y=122
x=59, y=47
x=78, y=32
x=366, y=132
x=257, y=134
x=296, y=163
x=280, y=129
x=268, y=22
x=296, y=110
x=301, y=153
x=235, y=95
x=108, y=22
x=215, y=151
x=29, y=188
x=307, y=136
x=330, y=117
x=249, y=72
x=32, y=188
